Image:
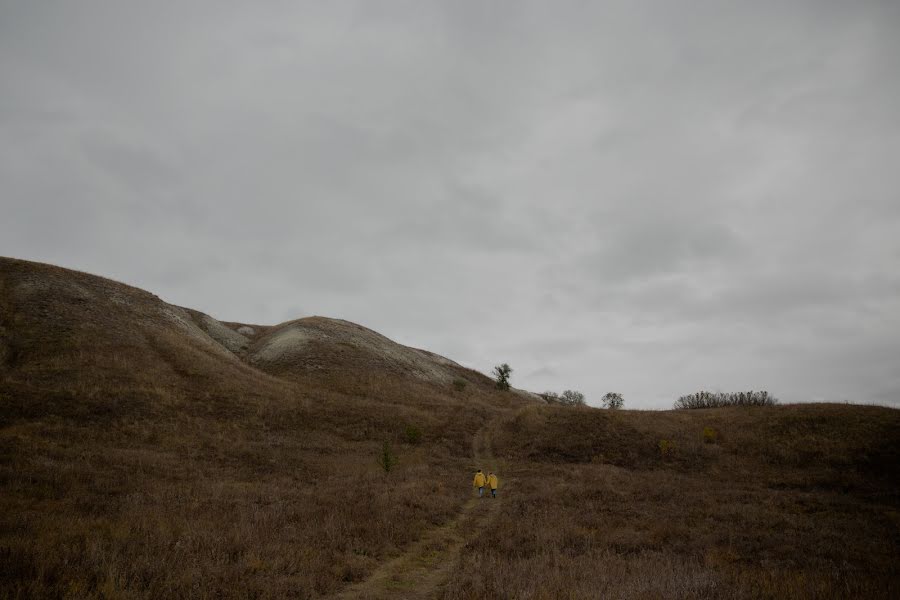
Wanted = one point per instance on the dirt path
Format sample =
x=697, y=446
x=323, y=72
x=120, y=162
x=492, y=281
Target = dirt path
x=421, y=570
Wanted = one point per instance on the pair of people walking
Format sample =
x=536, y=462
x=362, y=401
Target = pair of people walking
x=481, y=481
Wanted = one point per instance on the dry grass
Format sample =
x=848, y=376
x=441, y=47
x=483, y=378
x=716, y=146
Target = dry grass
x=787, y=502
x=271, y=499
x=138, y=461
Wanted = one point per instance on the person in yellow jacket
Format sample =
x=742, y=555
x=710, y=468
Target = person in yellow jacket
x=492, y=483
x=479, y=483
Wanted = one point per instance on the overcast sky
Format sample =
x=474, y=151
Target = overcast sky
x=644, y=197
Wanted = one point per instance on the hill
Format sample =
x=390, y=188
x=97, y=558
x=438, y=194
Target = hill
x=150, y=451
x=797, y=501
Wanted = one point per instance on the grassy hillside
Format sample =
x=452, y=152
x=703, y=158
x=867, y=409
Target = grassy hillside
x=139, y=457
x=774, y=502
x=150, y=451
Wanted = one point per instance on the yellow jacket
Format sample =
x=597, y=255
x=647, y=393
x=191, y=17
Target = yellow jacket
x=492, y=481
x=479, y=479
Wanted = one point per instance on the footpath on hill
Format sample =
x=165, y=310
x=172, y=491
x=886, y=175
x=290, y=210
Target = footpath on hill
x=422, y=569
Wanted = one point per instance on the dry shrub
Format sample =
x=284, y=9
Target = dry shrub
x=666, y=447
x=720, y=399
x=412, y=434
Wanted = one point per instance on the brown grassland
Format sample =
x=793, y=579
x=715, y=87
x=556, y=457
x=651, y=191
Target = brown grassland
x=139, y=459
x=777, y=502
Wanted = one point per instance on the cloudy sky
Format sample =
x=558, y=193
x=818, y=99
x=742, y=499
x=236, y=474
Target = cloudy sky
x=644, y=197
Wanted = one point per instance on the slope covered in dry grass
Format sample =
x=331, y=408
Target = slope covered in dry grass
x=778, y=502
x=142, y=457
x=150, y=451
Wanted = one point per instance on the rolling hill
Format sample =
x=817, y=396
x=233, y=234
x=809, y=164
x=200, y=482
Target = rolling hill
x=150, y=451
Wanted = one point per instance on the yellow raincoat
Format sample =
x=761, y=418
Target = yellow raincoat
x=492, y=481
x=479, y=480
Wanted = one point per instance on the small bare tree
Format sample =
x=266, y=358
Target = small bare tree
x=501, y=375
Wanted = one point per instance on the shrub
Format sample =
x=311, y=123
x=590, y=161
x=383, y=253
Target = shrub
x=720, y=399
x=612, y=400
x=459, y=384
x=666, y=447
x=572, y=398
x=412, y=434
x=567, y=398
x=501, y=375
x=551, y=397
x=387, y=460
x=710, y=435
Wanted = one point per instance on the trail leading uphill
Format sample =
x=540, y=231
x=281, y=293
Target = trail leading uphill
x=421, y=571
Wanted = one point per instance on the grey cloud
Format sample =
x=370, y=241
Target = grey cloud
x=652, y=248
x=543, y=372
x=137, y=167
